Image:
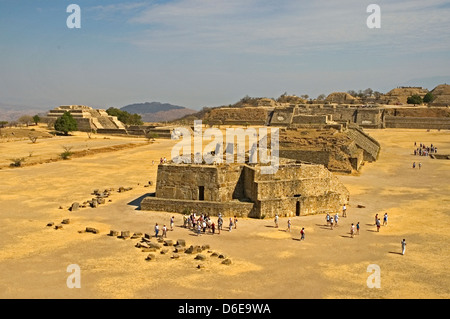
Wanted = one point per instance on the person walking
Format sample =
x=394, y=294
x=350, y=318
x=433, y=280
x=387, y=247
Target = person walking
x=357, y=228
x=171, y=223
x=378, y=225
x=156, y=230
x=376, y=218
x=231, y=225
x=331, y=222
x=420, y=165
x=276, y=220
x=328, y=219
x=385, y=219
x=199, y=228
x=213, y=228
x=336, y=218
x=302, y=233
x=164, y=231
x=403, y=246
x=219, y=224
x=414, y=165
x=344, y=211
x=235, y=221
x=289, y=225
x=352, y=230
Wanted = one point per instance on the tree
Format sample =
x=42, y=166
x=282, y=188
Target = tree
x=66, y=123
x=368, y=92
x=428, y=98
x=125, y=117
x=321, y=97
x=352, y=93
x=304, y=96
x=3, y=123
x=36, y=119
x=25, y=119
x=414, y=99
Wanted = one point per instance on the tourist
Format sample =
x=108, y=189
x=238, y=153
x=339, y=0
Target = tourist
x=420, y=165
x=336, y=218
x=199, y=229
x=357, y=228
x=328, y=219
x=219, y=223
x=302, y=233
x=231, y=224
x=344, y=211
x=385, y=219
x=276, y=220
x=235, y=221
x=331, y=222
x=376, y=218
x=352, y=230
x=156, y=230
x=164, y=233
x=213, y=228
x=171, y=223
x=378, y=225
x=289, y=225
x=414, y=164
x=403, y=246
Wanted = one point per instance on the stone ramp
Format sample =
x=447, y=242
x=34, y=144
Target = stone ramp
x=369, y=145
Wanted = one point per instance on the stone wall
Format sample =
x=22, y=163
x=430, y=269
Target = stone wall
x=239, y=189
x=369, y=145
x=417, y=122
x=311, y=156
x=229, y=209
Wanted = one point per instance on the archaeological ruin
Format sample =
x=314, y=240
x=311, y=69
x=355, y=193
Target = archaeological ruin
x=296, y=189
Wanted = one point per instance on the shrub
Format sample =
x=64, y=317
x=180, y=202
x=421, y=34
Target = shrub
x=17, y=162
x=67, y=153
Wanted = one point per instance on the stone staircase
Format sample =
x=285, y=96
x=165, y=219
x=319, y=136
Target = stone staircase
x=369, y=145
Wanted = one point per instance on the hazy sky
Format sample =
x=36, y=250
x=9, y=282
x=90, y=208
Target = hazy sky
x=200, y=53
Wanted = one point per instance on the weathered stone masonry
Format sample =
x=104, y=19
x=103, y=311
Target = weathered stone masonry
x=240, y=189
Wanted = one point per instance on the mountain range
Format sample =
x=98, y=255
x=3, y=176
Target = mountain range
x=157, y=112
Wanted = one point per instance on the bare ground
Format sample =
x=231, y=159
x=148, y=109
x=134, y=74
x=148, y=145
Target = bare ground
x=266, y=262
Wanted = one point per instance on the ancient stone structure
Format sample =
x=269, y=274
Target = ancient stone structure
x=88, y=119
x=399, y=96
x=240, y=189
x=341, y=98
x=441, y=95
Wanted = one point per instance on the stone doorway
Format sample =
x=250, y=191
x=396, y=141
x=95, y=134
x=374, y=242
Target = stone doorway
x=201, y=193
x=297, y=209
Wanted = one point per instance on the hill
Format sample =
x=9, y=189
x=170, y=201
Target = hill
x=158, y=112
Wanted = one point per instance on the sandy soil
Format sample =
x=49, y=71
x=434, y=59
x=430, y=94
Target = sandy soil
x=266, y=262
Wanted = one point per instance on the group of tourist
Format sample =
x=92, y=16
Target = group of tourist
x=423, y=150
x=164, y=228
x=204, y=223
x=162, y=160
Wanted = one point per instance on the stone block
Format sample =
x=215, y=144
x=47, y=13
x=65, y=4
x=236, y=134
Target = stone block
x=200, y=257
x=74, y=206
x=125, y=233
x=92, y=230
x=226, y=262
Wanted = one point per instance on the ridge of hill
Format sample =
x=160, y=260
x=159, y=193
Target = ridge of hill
x=157, y=112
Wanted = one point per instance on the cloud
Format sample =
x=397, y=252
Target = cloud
x=285, y=27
